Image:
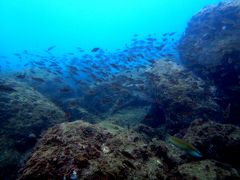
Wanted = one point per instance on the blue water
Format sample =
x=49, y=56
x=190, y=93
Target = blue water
x=35, y=25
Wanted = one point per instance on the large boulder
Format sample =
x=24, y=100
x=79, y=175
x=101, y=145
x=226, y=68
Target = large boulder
x=216, y=141
x=84, y=151
x=79, y=150
x=211, y=35
x=24, y=114
x=206, y=170
x=179, y=96
x=211, y=48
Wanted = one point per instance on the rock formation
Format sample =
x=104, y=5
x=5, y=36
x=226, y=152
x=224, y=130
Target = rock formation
x=24, y=114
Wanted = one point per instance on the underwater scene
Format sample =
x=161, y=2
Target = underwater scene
x=130, y=89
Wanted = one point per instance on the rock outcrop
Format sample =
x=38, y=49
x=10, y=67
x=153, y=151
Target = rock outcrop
x=206, y=170
x=88, y=152
x=211, y=48
x=79, y=150
x=180, y=96
x=216, y=141
x=24, y=114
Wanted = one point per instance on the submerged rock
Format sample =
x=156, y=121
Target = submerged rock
x=212, y=34
x=206, y=170
x=211, y=48
x=216, y=141
x=180, y=96
x=84, y=151
x=93, y=153
x=24, y=113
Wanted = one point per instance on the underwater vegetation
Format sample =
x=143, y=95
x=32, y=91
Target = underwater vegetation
x=163, y=108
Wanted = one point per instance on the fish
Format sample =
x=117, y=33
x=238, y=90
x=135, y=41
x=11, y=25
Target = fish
x=20, y=76
x=160, y=47
x=38, y=79
x=95, y=49
x=227, y=111
x=172, y=33
x=17, y=54
x=25, y=52
x=165, y=34
x=51, y=48
x=65, y=90
x=185, y=146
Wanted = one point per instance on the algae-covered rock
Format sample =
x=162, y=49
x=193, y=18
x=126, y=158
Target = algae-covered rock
x=106, y=151
x=181, y=95
x=24, y=113
x=215, y=140
x=212, y=34
x=210, y=47
x=128, y=117
x=206, y=170
x=92, y=152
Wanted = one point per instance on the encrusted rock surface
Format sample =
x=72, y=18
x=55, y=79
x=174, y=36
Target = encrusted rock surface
x=92, y=153
x=215, y=140
x=83, y=151
x=212, y=34
x=211, y=48
x=181, y=95
x=24, y=113
x=206, y=170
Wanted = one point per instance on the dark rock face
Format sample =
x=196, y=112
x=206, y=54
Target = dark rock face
x=212, y=34
x=24, y=113
x=211, y=48
x=216, y=141
x=155, y=117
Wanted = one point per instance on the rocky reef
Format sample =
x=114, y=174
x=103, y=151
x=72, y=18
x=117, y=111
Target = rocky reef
x=179, y=96
x=79, y=150
x=24, y=114
x=215, y=140
x=206, y=170
x=164, y=94
x=211, y=48
x=134, y=112
x=88, y=152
